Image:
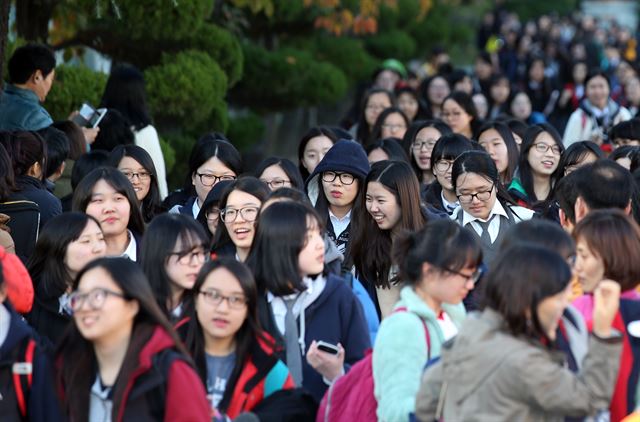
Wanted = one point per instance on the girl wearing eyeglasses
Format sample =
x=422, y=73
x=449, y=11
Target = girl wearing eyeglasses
x=213, y=158
x=391, y=123
x=298, y=304
x=485, y=207
x=107, y=195
x=540, y=154
x=278, y=173
x=419, y=141
x=235, y=359
x=66, y=244
x=439, y=265
x=137, y=166
x=173, y=251
x=239, y=208
x=335, y=186
x=120, y=359
x=440, y=194
x=392, y=204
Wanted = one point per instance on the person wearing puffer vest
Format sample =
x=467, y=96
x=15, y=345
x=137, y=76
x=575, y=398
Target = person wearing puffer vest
x=429, y=313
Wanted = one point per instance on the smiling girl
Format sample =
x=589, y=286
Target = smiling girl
x=107, y=195
x=392, y=202
x=540, y=154
x=239, y=208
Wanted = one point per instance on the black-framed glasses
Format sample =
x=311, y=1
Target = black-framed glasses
x=213, y=214
x=215, y=298
x=483, y=196
x=187, y=257
x=443, y=165
x=474, y=276
x=95, y=298
x=426, y=144
x=211, y=179
x=345, y=178
x=229, y=215
x=141, y=175
x=276, y=183
x=542, y=148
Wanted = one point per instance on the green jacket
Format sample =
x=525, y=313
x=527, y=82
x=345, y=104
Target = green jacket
x=400, y=353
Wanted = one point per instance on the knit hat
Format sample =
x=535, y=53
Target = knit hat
x=344, y=156
x=18, y=283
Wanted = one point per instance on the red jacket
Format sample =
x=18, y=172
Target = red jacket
x=262, y=374
x=185, y=399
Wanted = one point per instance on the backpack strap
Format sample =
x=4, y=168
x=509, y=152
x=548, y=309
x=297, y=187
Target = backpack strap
x=23, y=375
x=162, y=362
x=426, y=330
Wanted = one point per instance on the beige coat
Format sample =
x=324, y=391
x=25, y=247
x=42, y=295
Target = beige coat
x=486, y=374
x=6, y=241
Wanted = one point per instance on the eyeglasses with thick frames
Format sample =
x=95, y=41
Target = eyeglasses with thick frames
x=211, y=179
x=345, y=178
x=215, y=298
x=96, y=299
x=142, y=176
x=483, y=196
x=426, y=144
x=229, y=215
x=542, y=148
x=275, y=183
x=213, y=214
x=187, y=257
x=474, y=276
x=443, y=165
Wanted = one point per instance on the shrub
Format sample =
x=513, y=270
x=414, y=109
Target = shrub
x=186, y=90
x=246, y=130
x=222, y=46
x=74, y=85
x=392, y=44
x=347, y=54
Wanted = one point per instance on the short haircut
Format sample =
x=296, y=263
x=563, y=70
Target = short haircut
x=629, y=129
x=58, y=146
x=604, y=184
x=540, y=232
x=86, y=164
x=566, y=196
x=77, y=142
x=26, y=60
x=615, y=238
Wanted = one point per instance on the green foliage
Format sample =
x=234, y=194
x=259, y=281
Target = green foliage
x=222, y=46
x=72, y=86
x=244, y=131
x=348, y=54
x=148, y=19
x=392, y=44
x=181, y=146
x=287, y=78
x=169, y=154
x=187, y=90
x=440, y=27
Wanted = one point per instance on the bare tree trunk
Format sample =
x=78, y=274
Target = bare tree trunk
x=5, y=5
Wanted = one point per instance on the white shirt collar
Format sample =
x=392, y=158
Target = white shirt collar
x=497, y=209
x=347, y=216
x=130, y=251
x=195, y=209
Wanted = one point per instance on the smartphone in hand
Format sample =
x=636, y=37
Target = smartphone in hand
x=328, y=347
x=88, y=116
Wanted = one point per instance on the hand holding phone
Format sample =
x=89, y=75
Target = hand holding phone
x=327, y=359
x=88, y=116
x=328, y=347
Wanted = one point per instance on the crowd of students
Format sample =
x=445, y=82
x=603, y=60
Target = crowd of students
x=489, y=263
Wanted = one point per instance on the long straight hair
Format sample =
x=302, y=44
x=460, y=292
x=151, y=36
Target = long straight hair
x=525, y=173
x=157, y=245
x=280, y=237
x=46, y=264
x=370, y=247
x=77, y=356
x=246, y=338
x=513, y=154
x=150, y=203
